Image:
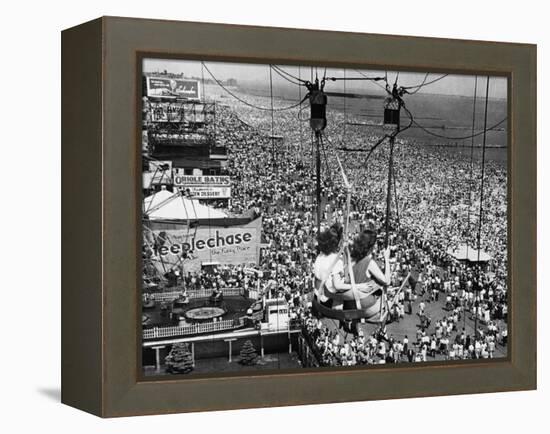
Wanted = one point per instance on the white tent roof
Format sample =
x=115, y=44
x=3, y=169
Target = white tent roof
x=465, y=253
x=167, y=205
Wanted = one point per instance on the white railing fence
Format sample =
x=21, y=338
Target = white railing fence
x=170, y=332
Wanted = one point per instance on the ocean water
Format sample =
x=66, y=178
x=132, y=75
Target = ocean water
x=450, y=115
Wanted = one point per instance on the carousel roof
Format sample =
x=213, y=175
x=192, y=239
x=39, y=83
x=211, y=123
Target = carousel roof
x=167, y=205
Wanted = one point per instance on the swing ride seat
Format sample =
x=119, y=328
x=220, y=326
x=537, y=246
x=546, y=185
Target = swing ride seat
x=370, y=310
x=371, y=314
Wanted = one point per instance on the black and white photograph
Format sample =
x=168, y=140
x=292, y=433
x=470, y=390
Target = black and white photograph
x=312, y=217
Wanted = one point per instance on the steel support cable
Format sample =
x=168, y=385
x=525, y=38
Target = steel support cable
x=345, y=117
x=329, y=172
x=273, y=156
x=370, y=150
x=299, y=78
x=396, y=200
x=374, y=81
x=476, y=302
x=470, y=186
x=363, y=78
x=396, y=78
x=420, y=86
x=424, y=83
x=426, y=130
x=482, y=172
x=284, y=77
x=300, y=123
x=187, y=214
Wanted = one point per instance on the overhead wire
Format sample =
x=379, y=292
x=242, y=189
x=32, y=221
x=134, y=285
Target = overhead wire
x=424, y=84
x=326, y=159
x=482, y=172
x=301, y=125
x=374, y=81
x=287, y=76
x=220, y=84
x=273, y=154
x=420, y=85
x=470, y=186
x=426, y=130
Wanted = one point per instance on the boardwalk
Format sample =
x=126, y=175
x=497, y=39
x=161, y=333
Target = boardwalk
x=407, y=326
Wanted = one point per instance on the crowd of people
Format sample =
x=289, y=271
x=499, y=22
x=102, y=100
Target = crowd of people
x=434, y=210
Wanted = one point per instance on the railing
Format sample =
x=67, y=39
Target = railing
x=170, y=332
x=205, y=293
x=201, y=293
x=165, y=296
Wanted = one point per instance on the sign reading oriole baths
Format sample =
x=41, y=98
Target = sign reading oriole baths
x=225, y=245
x=204, y=186
x=166, y=87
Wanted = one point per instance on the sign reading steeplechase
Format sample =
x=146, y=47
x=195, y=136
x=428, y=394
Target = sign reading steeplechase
x=166, y=87
x=224, y=245
x=205, y=186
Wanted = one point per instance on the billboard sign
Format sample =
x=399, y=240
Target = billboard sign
x=204, y=186
x=225, y=245
x=209, y=192
x=166, y=87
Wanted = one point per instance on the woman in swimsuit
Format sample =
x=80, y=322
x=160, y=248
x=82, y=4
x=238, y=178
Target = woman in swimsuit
x=367, y=272
x=329, y=269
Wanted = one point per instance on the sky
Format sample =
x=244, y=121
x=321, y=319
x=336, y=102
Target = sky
x=453, y=84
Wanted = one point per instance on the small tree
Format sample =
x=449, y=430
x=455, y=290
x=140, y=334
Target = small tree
x=248, y=354
x=179, y=360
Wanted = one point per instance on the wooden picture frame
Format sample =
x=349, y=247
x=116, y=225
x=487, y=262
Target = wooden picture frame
x=101, y=226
